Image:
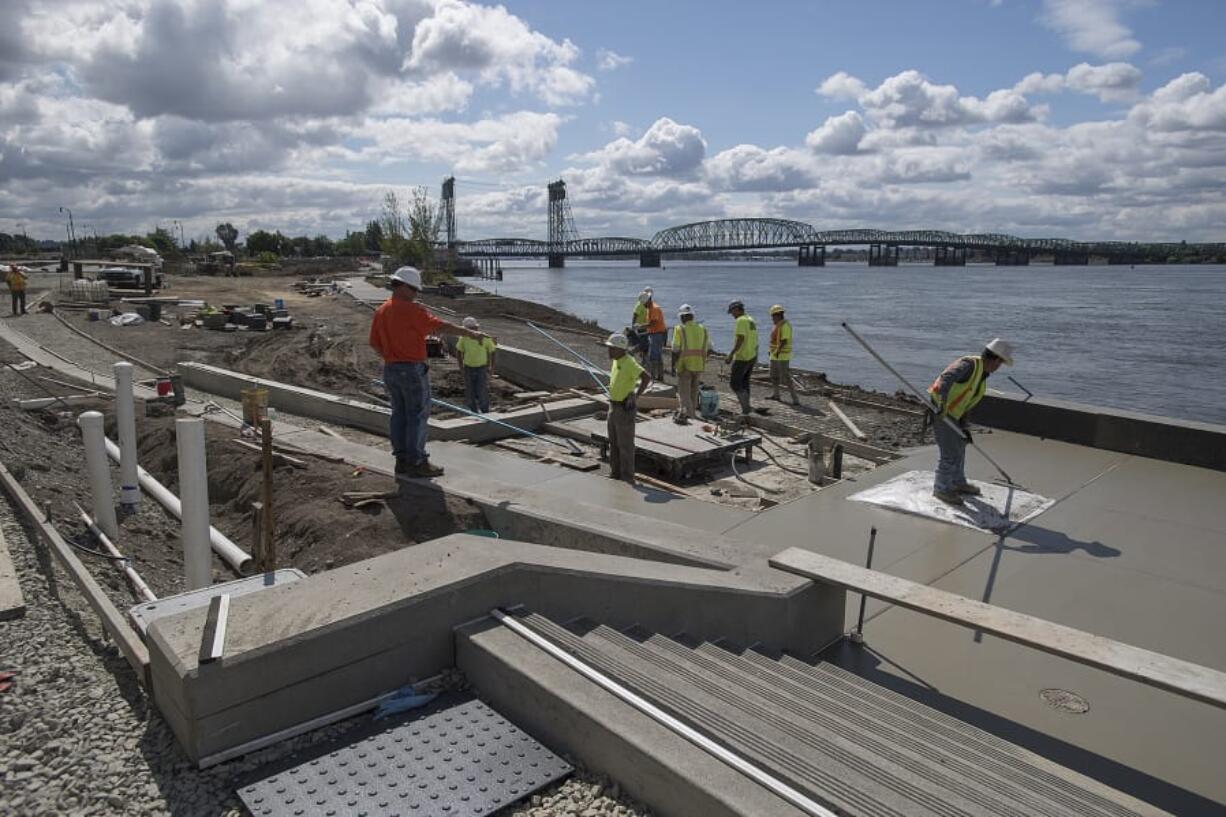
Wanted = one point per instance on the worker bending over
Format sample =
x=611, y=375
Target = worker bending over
x=954, y=393
x=16, y=279
x=691, y=345
x=744, y=354
x=398, y=333
x=476, y=359
x=624, y=375
x=781, y=354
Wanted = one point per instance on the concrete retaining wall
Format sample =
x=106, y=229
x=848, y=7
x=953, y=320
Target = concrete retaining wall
x=306, y=649
x=1163, y=438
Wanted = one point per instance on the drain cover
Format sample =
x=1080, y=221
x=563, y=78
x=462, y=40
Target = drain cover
x=450, y=759
x=1065, y=701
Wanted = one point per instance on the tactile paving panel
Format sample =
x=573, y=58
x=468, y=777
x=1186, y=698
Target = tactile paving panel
x=458, y=759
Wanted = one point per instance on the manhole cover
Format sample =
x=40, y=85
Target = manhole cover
x=1065, y=701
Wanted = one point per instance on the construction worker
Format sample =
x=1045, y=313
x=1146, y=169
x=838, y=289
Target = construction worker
x=624, y=374
x=476, y=359
x=398, y=333
x=744, y=354
x=638, y=325
x=17, y=279
x=781, y=354
x=691, y=345
x=954, y=393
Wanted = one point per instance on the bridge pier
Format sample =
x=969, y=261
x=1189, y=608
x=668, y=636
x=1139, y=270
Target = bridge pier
x=949, y=257
x=557, y=260
x=883, y=255
x=1122, y=260
x=1012, y=258
x=811, y=255
x=649, y=258
x=1070, y=259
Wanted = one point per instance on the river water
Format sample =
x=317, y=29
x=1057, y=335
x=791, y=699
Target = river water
x=1150, y=339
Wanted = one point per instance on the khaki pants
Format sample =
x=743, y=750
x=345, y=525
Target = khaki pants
x=687, y=392
x=781, y=372
x=621, y=440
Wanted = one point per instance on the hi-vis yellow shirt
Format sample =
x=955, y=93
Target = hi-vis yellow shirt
x=781, y=341
x=690, y=343
x=475, y=354
x=746, y=327
x=623, y=378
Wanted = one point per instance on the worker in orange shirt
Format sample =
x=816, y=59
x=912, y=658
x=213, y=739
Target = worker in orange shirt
x=657, y=333
x=398, y=333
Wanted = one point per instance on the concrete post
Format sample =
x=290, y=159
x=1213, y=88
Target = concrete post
x=94, y=436
x=125, y=417
x=194, y=496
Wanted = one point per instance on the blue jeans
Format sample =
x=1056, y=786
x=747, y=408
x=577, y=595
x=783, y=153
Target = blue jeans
x=408, y=386
x=477, y=388
x=655, y=345
x=951, y=466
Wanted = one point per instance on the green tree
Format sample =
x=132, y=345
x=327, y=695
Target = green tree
x=263, y=241
x=227, y=234
x=322, y=246
x=410, y=231
x=161, y=240
x=374, y=236
x=353, y=244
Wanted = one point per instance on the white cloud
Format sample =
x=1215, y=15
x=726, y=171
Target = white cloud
x=1186, y=103
x=666, y=149
x=437, y=94
x=842, y=86
x=840, y=134
x=608, y=60
x=621, y=128
x=1112, y=82
x=1093, y=26
x=910, y=100
x=751, y=168
x=506, y=144
x=498, y=47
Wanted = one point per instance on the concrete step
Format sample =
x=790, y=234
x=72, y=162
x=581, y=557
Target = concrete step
x=833, y=778
x=844, y=740
x=574, y=716
x=988, y=772
x=1010, y=764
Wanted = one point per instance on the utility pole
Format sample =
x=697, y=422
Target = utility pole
x=72, y=233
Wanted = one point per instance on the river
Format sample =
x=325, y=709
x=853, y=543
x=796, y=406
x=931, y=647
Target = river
x=1150, y=339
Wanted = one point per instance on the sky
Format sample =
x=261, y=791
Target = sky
x=1084, y=119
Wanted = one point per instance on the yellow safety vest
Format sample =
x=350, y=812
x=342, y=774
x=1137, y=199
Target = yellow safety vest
x=623, y=378
x=777, y=341
x=962, y=396
x=690, y=341
x=746, y=327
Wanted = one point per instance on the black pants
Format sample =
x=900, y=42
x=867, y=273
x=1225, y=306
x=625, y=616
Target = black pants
x=741, y=370
x=19, y=298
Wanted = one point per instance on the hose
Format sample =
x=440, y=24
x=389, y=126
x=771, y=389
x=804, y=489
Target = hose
x=753, y=485
x=780, y=465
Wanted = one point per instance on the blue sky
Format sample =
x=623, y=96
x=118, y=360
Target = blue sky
x=1079, y=118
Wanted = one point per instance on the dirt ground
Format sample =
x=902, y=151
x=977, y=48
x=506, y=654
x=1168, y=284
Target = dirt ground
x=314, y=530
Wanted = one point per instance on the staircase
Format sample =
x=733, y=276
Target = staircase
x=846, y=742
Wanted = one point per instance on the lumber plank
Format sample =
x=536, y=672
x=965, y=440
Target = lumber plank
x=1145, y=666
x=852, y=427
x=113, y=621
x=12, y=600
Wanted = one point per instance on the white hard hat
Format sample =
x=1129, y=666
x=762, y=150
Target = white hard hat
x=471, y=323
x=644, y=297
x=685, y=309
x=617, y=341
x=1003, y=349
x=408, y=275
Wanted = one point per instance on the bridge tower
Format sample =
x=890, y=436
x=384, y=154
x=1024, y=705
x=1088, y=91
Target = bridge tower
x=561, y=224
x=446, y=212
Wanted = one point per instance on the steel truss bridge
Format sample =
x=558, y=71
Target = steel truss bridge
x=735, y=234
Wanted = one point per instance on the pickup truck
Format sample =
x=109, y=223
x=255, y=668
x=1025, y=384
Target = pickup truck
x=127, y=277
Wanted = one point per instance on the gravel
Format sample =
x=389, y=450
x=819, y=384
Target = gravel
x=80, y=735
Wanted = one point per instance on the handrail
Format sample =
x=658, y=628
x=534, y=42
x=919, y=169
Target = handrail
x=1153, y=669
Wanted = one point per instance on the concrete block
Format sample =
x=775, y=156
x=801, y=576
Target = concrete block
x=302, y=650
x=12, y=601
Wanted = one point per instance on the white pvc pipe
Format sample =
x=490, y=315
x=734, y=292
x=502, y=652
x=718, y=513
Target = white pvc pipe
x=138, y=584
x=229, y=552
x=194, y=494
x=94, y=436
x=125, y=417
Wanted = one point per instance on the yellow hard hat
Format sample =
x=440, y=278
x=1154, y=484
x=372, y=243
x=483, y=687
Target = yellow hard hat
x=777, y=309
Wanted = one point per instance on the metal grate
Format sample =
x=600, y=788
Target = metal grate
x=450, y=759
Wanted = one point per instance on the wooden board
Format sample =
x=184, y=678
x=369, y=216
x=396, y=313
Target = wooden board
x=675, y=449
x=1153, y=669
x=12, y=601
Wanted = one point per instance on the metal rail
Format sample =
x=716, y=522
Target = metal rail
x=716, y=750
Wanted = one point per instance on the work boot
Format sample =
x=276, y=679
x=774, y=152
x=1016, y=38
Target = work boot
x=403, y=466
x=969, y=489
x=949, y=497
x=427, y=469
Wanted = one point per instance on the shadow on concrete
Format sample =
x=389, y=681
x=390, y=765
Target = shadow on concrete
x=872, y=666
x=1045, y=540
